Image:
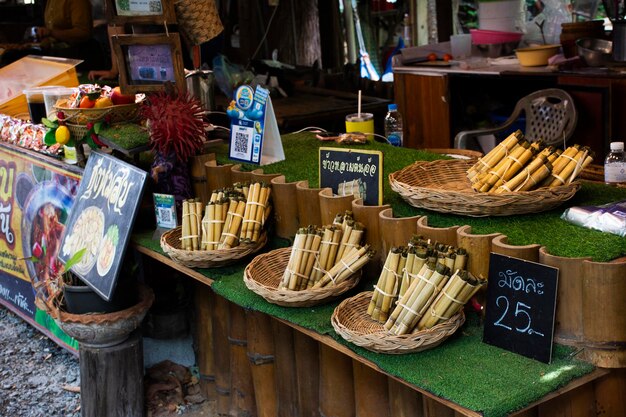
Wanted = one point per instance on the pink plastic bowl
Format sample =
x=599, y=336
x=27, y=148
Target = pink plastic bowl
x=488, y=37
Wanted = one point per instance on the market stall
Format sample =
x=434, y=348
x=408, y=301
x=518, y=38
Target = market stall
x=432, y=376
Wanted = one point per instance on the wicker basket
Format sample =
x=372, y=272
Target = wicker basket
x=443, y=186
x=170, y=243
x=351, y=321
x=116, y=114
x=264, y=273
x=78, y=131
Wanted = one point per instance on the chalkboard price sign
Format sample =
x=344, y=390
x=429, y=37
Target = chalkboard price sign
x=101, y=220
x=352, y=171
x=521, y=302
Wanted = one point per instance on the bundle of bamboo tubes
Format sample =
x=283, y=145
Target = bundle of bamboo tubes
x=405, y=274
x=414, y=275
x=325, y=256
x=229, y=218
x=516, y=165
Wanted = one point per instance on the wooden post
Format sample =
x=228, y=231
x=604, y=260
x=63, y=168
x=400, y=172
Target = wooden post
x=286, y=387
x=404, y=401
x=371, y=393
x=261, y=356
x=204, y=339
x=221, y=352
x=111, y=379
x=307, y=374
x=336, y=384
x=242, y=402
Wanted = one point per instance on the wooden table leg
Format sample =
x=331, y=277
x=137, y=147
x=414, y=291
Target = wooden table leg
x=242, y=402
x=204, y=339
x=221, y=351
x=261, y=356
x=371, y=393
x=307, y=374
x=336, y=384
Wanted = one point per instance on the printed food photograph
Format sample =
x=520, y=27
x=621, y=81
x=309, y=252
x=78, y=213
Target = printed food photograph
x=87, y=233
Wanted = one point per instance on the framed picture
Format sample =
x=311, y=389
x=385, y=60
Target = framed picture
x=140, y=11
x=147, y=62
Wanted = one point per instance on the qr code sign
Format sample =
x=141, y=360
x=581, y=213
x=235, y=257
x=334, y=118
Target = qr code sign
x=241, y=142
x=165, y=215
x=155, y=6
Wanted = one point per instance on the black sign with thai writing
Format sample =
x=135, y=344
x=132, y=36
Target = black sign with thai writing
x=352, y=171
x=101, y=220
x=521, y=302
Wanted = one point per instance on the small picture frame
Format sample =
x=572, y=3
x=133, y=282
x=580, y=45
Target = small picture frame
x=155, y=12
x=147, y=62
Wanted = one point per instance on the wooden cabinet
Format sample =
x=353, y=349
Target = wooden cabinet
x=437, y=105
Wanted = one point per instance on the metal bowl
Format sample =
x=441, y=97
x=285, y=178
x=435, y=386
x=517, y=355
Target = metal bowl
x=595, y=52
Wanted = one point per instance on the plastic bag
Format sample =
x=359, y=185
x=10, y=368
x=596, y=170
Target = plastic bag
x=610, y=218
x=545, y=28
x=229, y=76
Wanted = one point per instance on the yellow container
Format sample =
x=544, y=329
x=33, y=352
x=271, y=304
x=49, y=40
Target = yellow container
x=33, y=71
x=363, y=123
x=536, y=56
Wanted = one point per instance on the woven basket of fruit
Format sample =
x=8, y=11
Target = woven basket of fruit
x=93, y=104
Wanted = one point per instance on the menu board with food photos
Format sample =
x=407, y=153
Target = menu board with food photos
x=102, y=219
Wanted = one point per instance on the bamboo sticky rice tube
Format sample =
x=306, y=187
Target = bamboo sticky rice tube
x=459, y=289
x=516, y=165
x=261, y=210
x=185, y=228
x=198, y=218
x=560, y=163
x=385, y=286
x=313, y=255
x=573, y=167
x=304, y=258
x=414, y=310
x=298, y=243
x=230, y=235
x=508, y=163
x=524, y=175
x=494, y=156
x=329, y=276
x=350, y=264
x=193, y=230
x=297, y=255
x=408, y=267
x=347, y=230
x=460, y=260
x=364, y=255
x=207, y=227
x=334, y=248
x=320, y=264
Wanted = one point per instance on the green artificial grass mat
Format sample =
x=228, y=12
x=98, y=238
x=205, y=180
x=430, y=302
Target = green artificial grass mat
x=548, y=229
x=464, y=370
x=125, y=135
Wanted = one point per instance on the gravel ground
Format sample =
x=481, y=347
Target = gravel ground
x=40, y=379
x=35, y=373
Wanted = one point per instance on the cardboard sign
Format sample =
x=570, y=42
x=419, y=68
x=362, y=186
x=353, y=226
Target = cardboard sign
x=254, y=135
x=102, y=219
x=165, y=210
x=521, y=302
x=353, y=171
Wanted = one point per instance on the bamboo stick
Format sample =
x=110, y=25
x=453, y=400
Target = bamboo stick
x=186, y=227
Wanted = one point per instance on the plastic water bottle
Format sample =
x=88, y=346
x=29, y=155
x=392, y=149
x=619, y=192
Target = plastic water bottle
x=393, y=125
x=615, y=164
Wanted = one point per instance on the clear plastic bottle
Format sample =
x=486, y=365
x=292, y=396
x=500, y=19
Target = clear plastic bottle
x=393, y=125
x=615, y=164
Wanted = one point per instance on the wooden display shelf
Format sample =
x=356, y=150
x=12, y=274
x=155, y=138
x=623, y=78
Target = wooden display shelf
x=593, y=386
